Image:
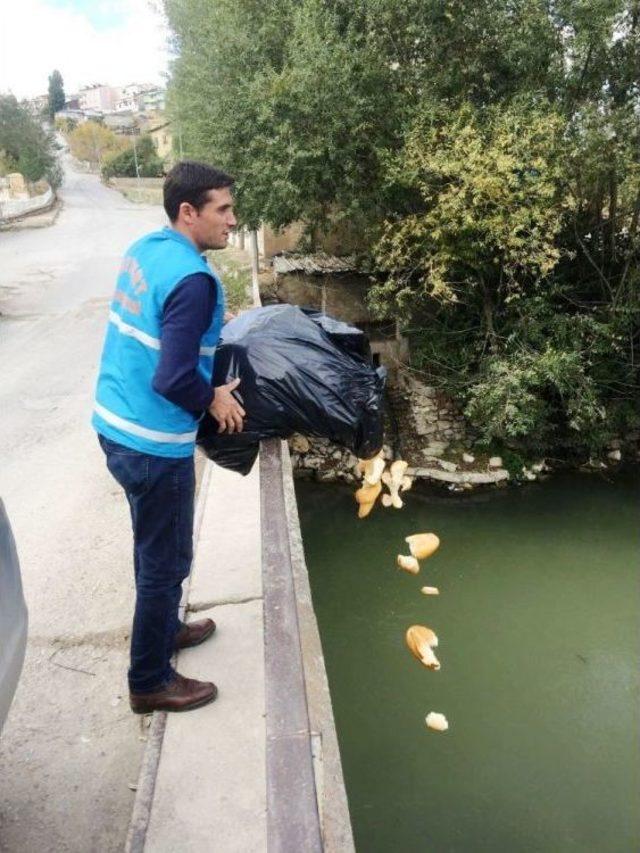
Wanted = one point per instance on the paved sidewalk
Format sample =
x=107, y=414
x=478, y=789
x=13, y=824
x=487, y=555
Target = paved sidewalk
x=210, y=791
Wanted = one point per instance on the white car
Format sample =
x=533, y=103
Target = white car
x=13, y=617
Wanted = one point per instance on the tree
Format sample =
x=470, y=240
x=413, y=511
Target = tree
x=123, y=165
x=291, y=99
x=304, y=101
x=56, y=93
x=513, y=259
x=27, y=147
x=92, y=142
x=492, y=203
x=481, y=278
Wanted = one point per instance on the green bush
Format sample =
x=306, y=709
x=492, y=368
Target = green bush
x=123, y=165
x=65, y=125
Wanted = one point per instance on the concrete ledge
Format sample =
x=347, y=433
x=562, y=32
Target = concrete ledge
x=474, y=477
x=293, y=820
x=332, y=797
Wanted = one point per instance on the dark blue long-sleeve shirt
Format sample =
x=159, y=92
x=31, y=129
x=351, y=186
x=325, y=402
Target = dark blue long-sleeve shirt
x=186, y=317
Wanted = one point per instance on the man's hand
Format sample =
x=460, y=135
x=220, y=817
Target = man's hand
x=226, y=409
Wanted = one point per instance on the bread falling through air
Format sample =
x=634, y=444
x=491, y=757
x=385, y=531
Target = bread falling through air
x=366, y=497
x=373, y=473
x=423, y=545
x=396, y=481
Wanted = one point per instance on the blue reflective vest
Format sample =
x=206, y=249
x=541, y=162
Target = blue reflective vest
x=127, y=409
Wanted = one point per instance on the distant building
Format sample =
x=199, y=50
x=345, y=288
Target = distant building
x=139, y=97
x=127, y=104
x=124, y=123
x=98, y=97
x=127, y=99
x=152, y=100
x=72, y=115
x=162, y=140
x=132, y=98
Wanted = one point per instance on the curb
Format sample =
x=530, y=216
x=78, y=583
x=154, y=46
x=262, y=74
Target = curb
x=293, y=813
x=21, y=223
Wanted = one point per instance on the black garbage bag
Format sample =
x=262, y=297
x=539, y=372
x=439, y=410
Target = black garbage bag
x=300, y=371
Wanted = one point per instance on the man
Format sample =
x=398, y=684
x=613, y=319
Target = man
x=153, y=385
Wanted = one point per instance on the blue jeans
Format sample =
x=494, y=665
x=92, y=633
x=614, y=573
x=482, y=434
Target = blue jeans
x=160, y=492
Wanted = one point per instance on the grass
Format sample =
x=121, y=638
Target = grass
x=234, y=268
x=142, y=195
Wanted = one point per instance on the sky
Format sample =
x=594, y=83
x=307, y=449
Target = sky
x=88, y=41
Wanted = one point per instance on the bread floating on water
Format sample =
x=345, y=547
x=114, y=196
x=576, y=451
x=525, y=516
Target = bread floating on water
x=437, y=722
x=430, y=590
x=408, y=564
x=421, y=642
x=423, y=545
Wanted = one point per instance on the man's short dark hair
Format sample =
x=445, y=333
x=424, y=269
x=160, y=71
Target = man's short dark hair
x=191, y=181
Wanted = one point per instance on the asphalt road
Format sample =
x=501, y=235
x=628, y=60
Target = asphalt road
x=70, y=747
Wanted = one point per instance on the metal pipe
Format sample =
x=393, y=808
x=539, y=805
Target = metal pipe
x=255, y=267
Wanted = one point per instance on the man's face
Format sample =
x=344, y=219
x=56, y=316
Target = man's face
x=210, y=226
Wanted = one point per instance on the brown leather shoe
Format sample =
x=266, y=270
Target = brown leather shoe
x=183, y=694
x=194, y=633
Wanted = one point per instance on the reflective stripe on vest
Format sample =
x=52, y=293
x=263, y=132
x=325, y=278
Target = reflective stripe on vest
x=142, y=432
x=143, y=337
x=127, y=329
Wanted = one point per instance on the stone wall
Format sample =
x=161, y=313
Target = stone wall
x=13, y=208
x=341, y=296
x=13, y=187
x=426, y=421
x=317, y=458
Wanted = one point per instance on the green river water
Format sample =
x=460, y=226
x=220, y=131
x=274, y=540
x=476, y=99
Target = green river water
x=538, y=620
